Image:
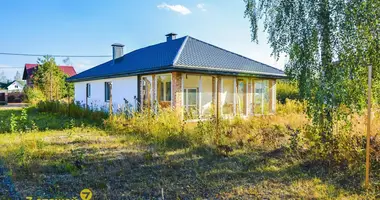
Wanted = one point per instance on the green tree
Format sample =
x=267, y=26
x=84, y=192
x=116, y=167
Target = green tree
x=51, y=80
x=330, y=44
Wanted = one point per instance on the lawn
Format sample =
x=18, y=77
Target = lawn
x=62, y=156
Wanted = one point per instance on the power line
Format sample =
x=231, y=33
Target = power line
x=10, y=67
x=76, y=56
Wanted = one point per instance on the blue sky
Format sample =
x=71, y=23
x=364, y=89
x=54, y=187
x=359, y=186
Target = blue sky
x=89, y=27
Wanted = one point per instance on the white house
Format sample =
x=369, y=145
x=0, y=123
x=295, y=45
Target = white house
x=185, y=73
x=14, y=86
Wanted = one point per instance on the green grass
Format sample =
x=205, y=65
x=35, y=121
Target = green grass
x=59, y=160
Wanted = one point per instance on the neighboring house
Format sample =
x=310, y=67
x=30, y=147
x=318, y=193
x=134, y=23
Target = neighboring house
x=11, y=92
x=183, y=73
x=29, y=70
x=13, y=86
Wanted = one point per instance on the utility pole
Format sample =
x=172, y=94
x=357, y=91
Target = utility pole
x=368, y=146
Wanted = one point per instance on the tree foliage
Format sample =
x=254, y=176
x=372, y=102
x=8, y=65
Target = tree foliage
x=330, y=43
x=50, y=80
x=17, y=76
x=3, y=78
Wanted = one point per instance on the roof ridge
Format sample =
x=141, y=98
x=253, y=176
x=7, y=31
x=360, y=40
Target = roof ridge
x=150, y=46
x=235, y=53
x=180, y=50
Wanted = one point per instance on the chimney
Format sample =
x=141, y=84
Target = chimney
x=117, y=51
x=170, y=36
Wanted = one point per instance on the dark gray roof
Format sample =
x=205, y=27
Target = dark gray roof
x=182, y=54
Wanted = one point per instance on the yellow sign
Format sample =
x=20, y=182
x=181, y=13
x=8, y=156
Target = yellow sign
x=85, y=194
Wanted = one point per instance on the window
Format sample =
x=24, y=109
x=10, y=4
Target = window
x=164, y=85
x=261, y=97
x=16, y=86
x=107, y=91
x=88, y=90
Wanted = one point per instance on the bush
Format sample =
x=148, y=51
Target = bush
x=291, y=106
x=287, y=90
x=20, y=123
x=34, y=95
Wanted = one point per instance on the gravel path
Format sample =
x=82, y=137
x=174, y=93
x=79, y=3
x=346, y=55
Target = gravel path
x=7, y=189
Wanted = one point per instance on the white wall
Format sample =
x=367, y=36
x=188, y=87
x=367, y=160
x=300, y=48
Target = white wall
x=125, y=87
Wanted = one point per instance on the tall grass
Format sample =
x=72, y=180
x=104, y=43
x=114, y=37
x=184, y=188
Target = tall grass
x=71, y=109
x=290, y=129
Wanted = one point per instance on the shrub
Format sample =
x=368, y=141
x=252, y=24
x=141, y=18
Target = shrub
x=291, y=106
x=34, y=95
x=287, y=90
x=20, y=123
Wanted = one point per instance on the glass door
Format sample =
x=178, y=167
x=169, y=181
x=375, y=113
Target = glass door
x=191, y=103
x=241, y=100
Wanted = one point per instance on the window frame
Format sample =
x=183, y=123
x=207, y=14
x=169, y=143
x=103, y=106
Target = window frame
x=88, y=90
x=107, y=92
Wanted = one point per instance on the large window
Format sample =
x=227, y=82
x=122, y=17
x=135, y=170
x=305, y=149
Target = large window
x=107, y=91
x=227, y=96
x=261, y=97
x=164, y=90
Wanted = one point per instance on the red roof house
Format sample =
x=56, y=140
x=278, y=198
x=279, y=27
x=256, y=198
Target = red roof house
x=29, y=70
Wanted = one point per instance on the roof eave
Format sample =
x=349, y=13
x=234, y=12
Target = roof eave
x=181, y=69
x=207, y=70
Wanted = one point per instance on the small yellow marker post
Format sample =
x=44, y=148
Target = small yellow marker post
x=368, y=147
x=85, y=194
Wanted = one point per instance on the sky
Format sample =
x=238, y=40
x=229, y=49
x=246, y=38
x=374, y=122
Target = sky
x=89, y=27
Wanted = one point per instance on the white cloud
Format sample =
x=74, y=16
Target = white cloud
x=176, y=8
x=201, y=6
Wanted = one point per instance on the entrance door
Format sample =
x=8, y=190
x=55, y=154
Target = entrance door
x=191, y=102
x=241, y=100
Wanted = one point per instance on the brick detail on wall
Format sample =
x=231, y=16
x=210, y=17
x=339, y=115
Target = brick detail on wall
x=140, y=98
x=177, y=89
x=154, y=92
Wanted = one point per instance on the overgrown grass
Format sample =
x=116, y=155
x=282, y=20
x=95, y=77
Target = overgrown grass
x=139, y=156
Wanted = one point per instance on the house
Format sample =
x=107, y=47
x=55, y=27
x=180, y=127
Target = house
x=29, y=70
x=184, y=73
x=13, y=86
x=12, y=92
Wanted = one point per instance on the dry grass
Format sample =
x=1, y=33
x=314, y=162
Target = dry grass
x=60, y=162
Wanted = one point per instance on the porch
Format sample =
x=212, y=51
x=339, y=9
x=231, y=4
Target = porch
x=198, y=96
